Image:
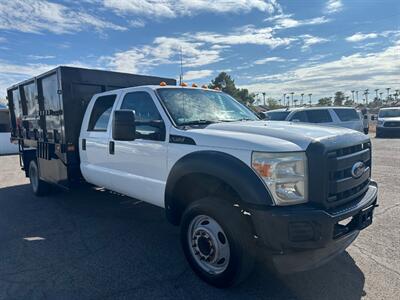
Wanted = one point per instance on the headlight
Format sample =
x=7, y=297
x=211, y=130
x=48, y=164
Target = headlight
x=285, y=174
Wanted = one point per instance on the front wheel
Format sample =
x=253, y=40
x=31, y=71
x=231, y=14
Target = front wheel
x=217, y=242
x=39, y=187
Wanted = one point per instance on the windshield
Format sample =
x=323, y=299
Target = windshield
x=277, y=115
x=389, y=113
x=195, y=106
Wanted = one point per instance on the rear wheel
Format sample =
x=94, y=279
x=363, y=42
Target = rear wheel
x=217, y=242
x=39, y=187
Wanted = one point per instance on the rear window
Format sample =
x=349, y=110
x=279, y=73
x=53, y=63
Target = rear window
x=347, y=114
x=318, y=116
x=277, y=115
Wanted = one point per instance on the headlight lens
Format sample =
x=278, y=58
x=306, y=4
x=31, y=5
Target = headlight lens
x=285, y=174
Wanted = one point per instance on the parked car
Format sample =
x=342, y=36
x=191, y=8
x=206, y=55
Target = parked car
x=5, y=146
x=328, y=116
x=388, y=122
x=235, y=185
x=364, y=117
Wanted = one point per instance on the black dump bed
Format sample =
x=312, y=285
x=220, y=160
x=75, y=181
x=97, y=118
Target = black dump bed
x=46, y=111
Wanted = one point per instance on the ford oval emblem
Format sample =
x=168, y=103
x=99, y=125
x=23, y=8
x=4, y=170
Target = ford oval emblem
x=358, y=169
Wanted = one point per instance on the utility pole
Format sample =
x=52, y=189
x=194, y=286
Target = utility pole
x=301, y=103
x=292, y=93
x=263, y=93
x=309, y=95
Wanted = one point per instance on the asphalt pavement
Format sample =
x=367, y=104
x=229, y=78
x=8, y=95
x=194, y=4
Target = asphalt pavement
x=94, y=244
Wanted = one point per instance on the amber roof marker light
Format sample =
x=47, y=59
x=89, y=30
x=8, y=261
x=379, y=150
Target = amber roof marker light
x=183, y=84
x=163, y=83
x=194, y=85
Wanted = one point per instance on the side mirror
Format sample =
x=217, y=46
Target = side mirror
x=262, y=116
x=372, y=118
x=123, y=126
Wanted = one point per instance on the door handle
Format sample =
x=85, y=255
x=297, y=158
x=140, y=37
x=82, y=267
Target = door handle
x=111, y=147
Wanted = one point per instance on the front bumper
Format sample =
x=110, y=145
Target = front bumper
x=302, y=237
x=388, y=129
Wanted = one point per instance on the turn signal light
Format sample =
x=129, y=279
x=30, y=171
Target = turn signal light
x=163, y=83
x=263, y=169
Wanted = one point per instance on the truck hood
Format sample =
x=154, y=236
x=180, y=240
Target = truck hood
x=275, y=136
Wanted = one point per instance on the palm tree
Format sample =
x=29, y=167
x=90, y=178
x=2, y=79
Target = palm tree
x=309, y=95
x=292, y=93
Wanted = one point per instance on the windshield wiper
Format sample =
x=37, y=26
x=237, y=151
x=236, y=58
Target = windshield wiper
x=197, y=122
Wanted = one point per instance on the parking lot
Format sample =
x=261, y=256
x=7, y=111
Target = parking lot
x=92, y=244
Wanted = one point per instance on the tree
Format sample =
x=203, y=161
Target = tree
x=3, y=101
x=225, y=82
x=272, y=103
x=339, y=98
x=326, y=101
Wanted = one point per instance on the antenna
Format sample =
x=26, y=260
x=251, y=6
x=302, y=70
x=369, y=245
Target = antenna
x=181, y=75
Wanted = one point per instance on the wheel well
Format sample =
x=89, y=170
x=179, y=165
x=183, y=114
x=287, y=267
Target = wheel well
x=195, y=186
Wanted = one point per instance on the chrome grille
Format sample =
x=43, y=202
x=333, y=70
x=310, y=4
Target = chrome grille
x=342, y=187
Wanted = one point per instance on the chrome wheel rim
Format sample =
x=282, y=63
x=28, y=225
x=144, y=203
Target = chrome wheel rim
x=208, y=244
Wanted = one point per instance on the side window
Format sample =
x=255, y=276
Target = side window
x=346, y=114
x=4, y=121
x=318, y=116
x=149, y=122
x=300, y=116
x=101, y=113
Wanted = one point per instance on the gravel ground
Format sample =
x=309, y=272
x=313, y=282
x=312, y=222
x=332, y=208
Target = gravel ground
x=98, y=245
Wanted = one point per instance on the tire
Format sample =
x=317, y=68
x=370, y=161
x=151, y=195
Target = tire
x=39, y=187
x=225, y=241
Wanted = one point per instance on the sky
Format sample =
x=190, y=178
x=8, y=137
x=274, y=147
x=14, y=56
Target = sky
x=271, y=46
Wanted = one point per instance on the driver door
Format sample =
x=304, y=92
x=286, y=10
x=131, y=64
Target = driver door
x=140, y=166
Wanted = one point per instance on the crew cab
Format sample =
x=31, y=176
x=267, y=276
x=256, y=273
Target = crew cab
x=346, y=117
x=236, y=185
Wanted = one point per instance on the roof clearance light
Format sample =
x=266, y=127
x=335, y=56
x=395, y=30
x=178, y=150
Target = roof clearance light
x=216, y=88
x=183, y=84
x=204, y=86
x=194, y=85
x=163, y=83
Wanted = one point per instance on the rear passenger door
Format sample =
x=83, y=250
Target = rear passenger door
x=95, y=146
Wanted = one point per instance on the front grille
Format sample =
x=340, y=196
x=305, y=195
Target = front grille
x=391, y=124
x=342, y=187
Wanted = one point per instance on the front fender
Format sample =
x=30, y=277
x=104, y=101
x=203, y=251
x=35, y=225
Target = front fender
x=239, y=176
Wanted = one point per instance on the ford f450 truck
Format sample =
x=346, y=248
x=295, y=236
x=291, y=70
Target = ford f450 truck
x=235, y=185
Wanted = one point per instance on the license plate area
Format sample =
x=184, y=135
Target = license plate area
x=358, y=222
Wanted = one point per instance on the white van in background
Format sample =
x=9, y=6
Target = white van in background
x=5, y=145
x=330, y=116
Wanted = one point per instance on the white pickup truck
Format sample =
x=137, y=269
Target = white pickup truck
x=237, y=186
